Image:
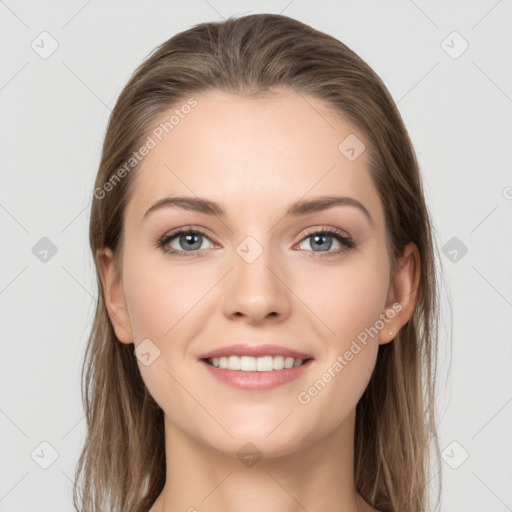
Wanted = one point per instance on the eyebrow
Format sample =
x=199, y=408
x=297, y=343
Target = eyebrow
x=301, y=207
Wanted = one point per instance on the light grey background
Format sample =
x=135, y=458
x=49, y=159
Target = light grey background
x=53, y=116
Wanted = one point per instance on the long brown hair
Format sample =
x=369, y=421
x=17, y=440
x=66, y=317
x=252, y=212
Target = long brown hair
x=122, y=465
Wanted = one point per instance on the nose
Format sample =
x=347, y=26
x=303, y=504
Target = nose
x=256, y=290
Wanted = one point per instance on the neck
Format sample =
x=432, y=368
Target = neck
x=313, y=478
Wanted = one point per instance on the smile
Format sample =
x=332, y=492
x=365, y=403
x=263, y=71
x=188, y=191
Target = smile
x=255, y=364
x=256, y=373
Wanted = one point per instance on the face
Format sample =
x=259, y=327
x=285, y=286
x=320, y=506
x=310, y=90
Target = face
x=315, y=282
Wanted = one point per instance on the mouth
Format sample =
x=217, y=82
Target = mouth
x=256, y=364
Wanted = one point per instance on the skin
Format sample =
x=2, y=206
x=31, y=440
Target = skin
x=256, y=157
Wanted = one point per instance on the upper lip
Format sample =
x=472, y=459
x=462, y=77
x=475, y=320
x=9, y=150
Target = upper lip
x=243, y=349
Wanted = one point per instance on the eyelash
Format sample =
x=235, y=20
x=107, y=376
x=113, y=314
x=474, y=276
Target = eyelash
x=346, y=241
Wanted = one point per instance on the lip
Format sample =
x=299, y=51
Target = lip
x=243, y=349
x=257, y=381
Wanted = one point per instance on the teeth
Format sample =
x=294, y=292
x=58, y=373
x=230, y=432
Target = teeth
x=255, y=364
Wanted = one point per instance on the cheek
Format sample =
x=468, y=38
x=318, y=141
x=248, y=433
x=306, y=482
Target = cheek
x=359, y=301
x=346, y=300
x=164, y=302
x=161, y=298
x=350, y=304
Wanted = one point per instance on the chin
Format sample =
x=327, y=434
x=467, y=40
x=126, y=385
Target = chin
x=269, y=441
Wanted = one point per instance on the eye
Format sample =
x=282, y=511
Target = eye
x=187, y=240
x=322, y=239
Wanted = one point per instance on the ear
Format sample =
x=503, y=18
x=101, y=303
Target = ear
x=402, y=294
x=114, y=296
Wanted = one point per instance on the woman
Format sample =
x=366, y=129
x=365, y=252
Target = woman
x=266, y=330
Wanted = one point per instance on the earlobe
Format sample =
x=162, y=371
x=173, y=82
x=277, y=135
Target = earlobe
x=402, y=294
x=113, y=292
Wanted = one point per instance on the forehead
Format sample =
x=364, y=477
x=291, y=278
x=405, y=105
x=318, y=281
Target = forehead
x=253, y=153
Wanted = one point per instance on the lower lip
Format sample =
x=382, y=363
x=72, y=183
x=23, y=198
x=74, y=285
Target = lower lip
x=257, y=381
